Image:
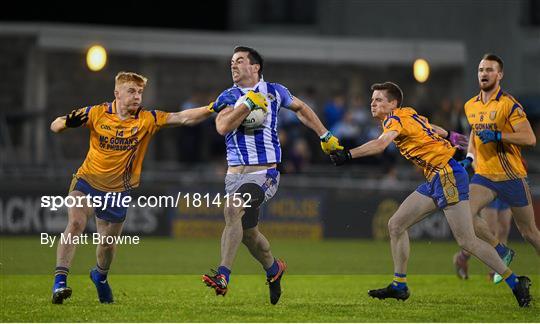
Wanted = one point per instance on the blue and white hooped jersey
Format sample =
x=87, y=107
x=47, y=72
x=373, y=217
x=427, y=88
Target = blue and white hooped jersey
x=259, y=145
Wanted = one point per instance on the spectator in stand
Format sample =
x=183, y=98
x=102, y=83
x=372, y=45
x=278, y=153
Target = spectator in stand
x=334, y=110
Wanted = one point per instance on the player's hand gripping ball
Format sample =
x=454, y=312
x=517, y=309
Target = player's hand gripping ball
x=330, y=143
x=256, y=102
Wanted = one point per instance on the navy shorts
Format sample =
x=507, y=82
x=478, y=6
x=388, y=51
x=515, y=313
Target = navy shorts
x=498, y=204
x=448, y=186
x=113, y=214
x=514, y=192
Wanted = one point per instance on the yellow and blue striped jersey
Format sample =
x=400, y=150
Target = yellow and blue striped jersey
x=418, y=142
x=117, y=147
x=496, y=161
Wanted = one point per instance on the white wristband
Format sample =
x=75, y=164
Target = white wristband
x=324, y=137
x=470, y=155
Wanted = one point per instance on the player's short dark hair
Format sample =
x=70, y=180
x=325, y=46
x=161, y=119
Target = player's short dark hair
x=493, y=57
x=393, y=91
x=253, y=56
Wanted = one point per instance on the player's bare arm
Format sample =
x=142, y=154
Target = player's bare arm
x=471, y=153
x=457, y=139
x=229, y=119
x=329, y=143
x=471, y=149
x=59, y=124
x=523, y=135
x=307, y=116
x=188, y=117
x=440, y=131
x=375, y=146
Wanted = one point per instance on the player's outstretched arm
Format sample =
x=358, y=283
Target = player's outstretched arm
x=372, y=147
x=329, y=143
x=375, y=146
x=74, y=119
x=188, y=117
x=307, y=116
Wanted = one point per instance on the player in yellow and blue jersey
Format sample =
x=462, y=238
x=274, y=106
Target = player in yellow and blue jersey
x=499, y=128
x=447, y=188
x=119, y=135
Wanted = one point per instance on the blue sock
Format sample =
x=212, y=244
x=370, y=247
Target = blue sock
x=400, y=281
x=60, y=277
x=511, y=281
x=100, y=276
x=102, y=273
x=60, y=280
x=224, y=271
x=501, y=249
x=273, y=270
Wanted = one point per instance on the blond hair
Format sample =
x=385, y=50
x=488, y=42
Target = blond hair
x=124, y=77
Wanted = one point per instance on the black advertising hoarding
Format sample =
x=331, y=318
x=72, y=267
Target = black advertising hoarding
x=21, y=213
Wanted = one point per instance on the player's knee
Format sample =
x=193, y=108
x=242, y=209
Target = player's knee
x=466, y=240
x=394, y=227
x=475, y=210
x=233, y=214
x=106, y=244
x=76, y=226
x=477, y=223
x=250, y=237
x=503, y=229
x=530, y=234
x=464, y=243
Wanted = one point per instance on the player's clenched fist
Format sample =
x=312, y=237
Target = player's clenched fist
x=330, y=143
x=340, y=157
x=488, y=135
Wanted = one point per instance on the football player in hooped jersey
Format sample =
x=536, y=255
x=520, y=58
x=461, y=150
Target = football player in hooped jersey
x=119, y=135
x=447, y=188
x=499, y=128
x=252, y=156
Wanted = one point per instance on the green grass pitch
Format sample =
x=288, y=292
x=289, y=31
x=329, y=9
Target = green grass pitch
x=327, y=281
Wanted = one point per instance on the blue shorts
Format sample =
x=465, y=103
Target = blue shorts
x=113, y=214
x=498, y=204
x=514, y=192
x=448, y=186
